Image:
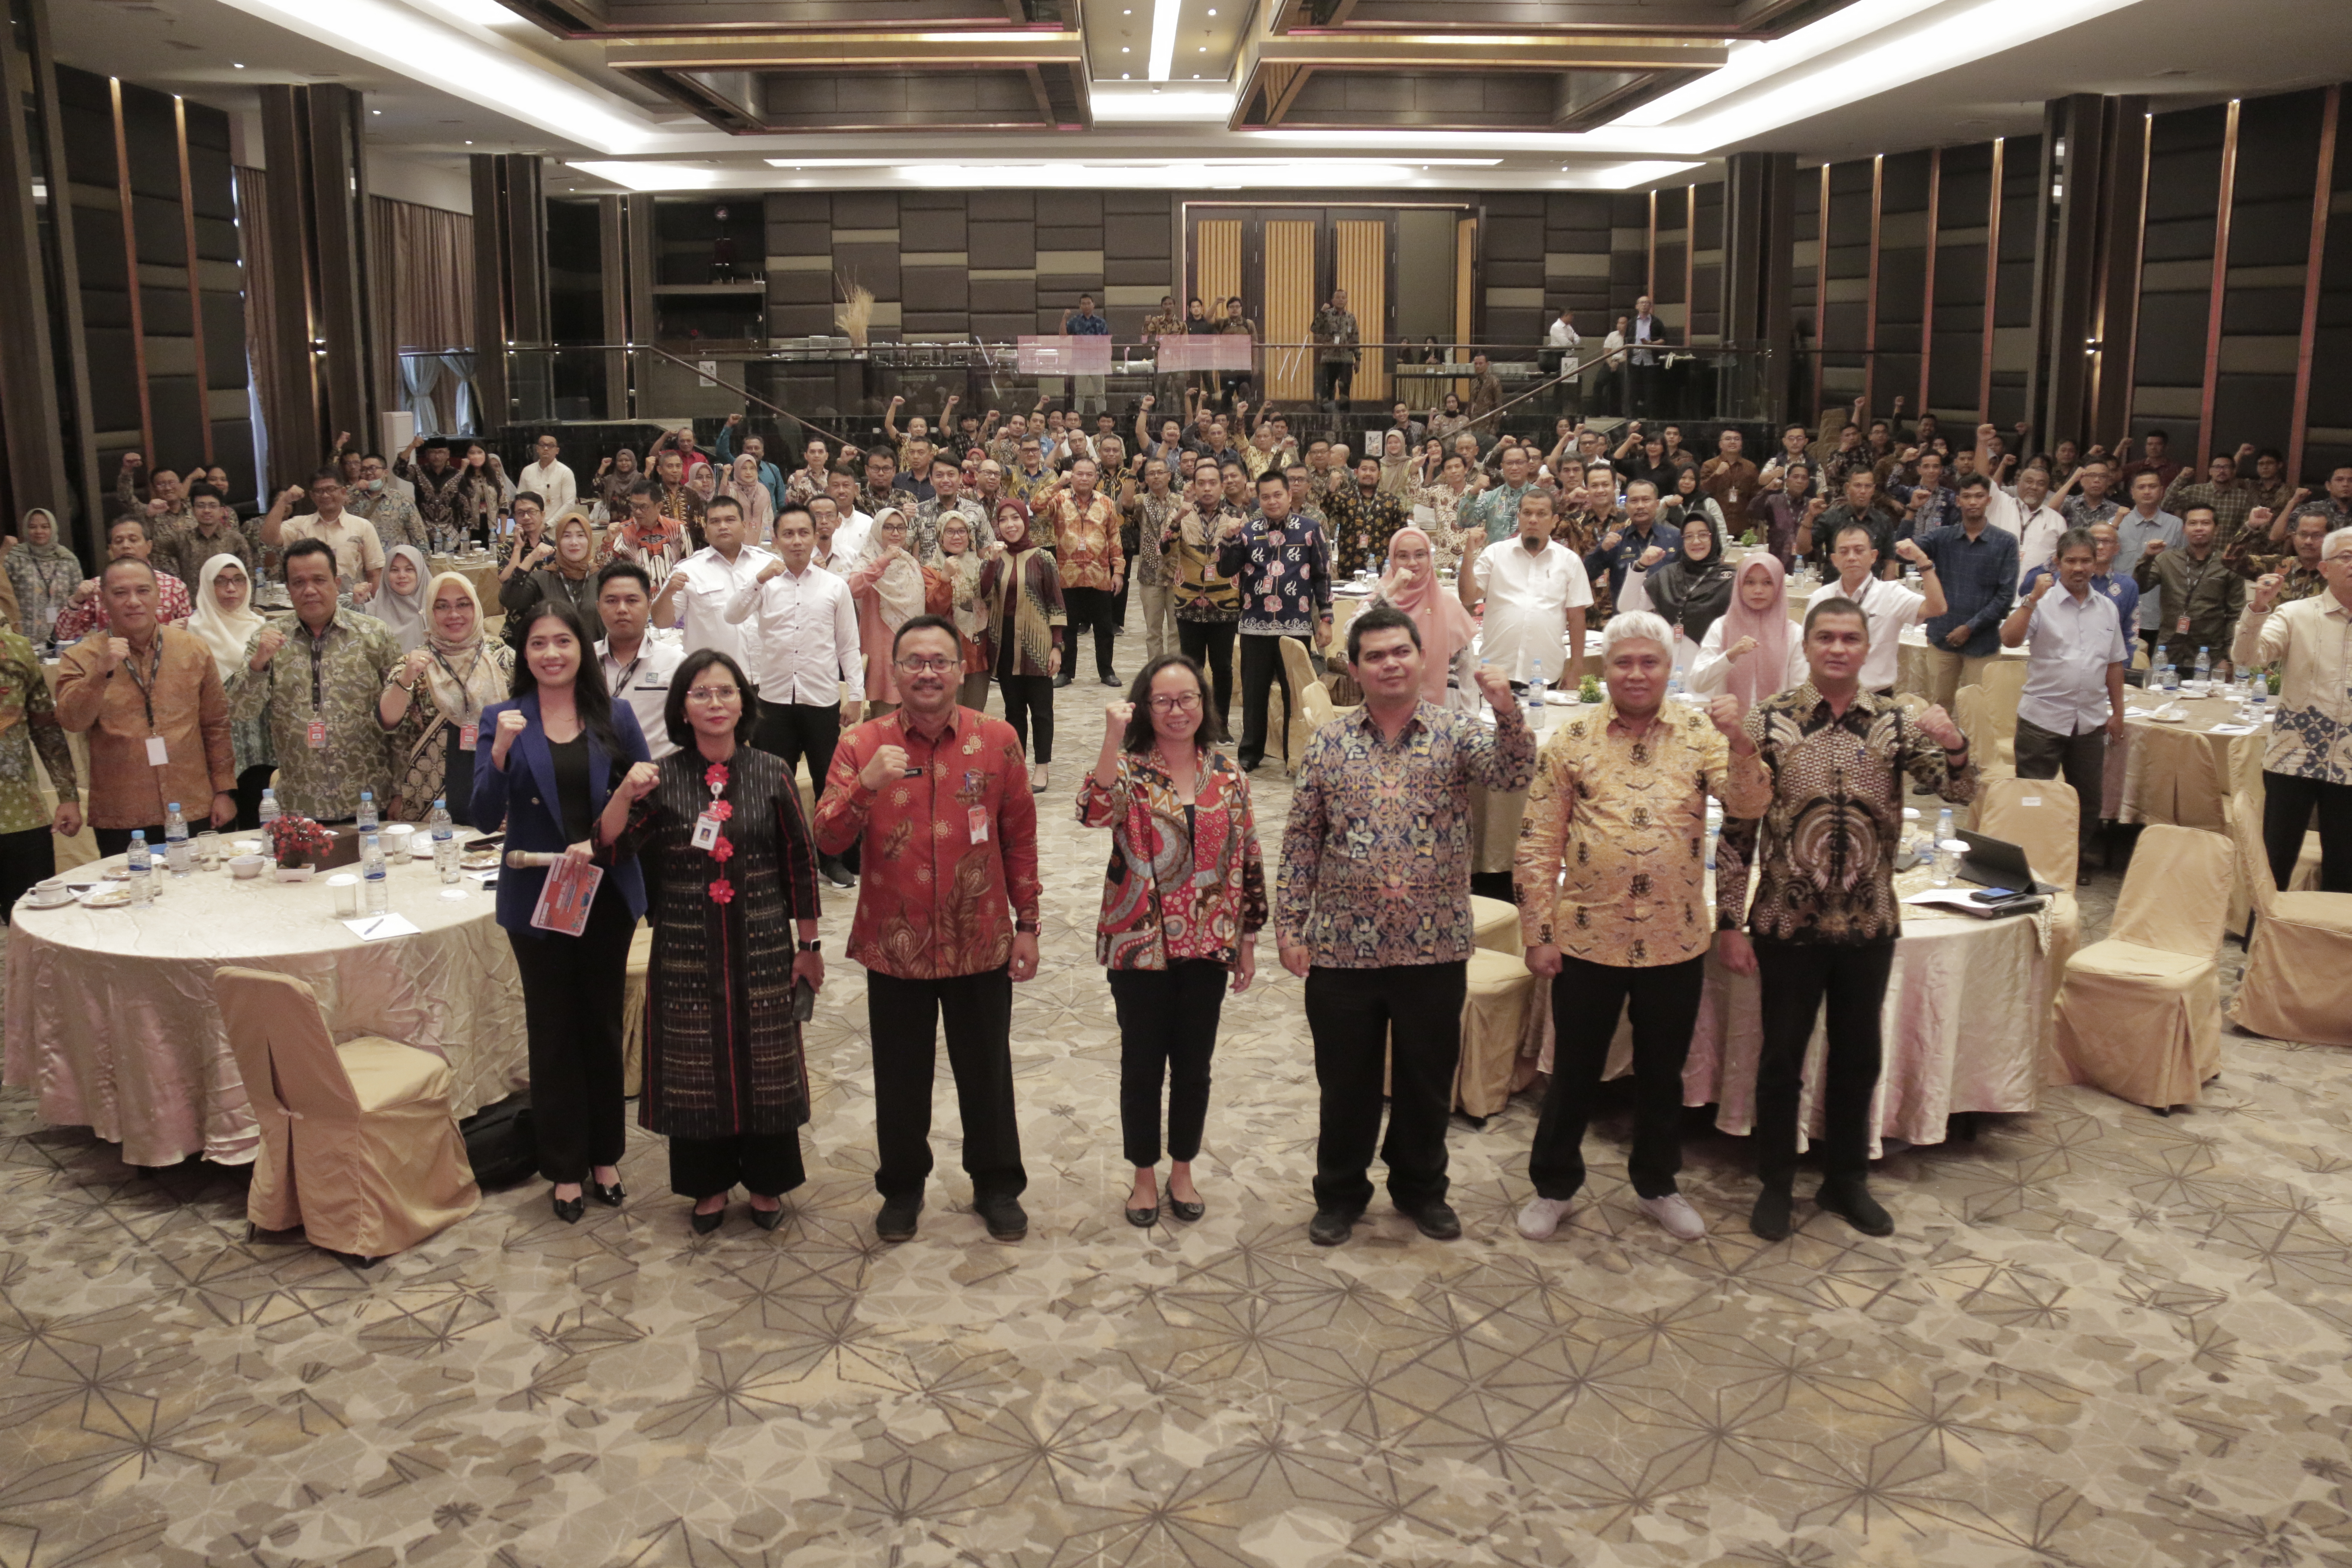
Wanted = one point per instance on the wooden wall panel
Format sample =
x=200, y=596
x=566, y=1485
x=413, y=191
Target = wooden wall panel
x=2264, y=288
x=1217, y=261
x=1289, y=302
x=1360, y=264
x=2177, y=274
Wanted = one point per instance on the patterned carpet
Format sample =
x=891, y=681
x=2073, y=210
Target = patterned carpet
x=2099, y=1337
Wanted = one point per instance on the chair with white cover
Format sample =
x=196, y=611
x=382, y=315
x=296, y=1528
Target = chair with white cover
x=2298, y=980
x=1494, y=925
x=2139, y=1014
x=1297, y=726
x=359, y=1141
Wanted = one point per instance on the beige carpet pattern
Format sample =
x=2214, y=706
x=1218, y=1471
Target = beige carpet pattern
x=2100, y=1337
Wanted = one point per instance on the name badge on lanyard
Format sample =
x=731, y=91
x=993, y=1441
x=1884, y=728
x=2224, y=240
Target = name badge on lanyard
x=318, y=734
x=706, y=831
x=469, y=736
x=156, y=756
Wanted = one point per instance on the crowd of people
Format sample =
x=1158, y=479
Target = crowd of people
x=681, y=634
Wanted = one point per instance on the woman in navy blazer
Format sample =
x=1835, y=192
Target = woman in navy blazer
x=553, y=755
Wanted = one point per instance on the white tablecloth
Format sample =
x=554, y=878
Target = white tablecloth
x=111, y=1017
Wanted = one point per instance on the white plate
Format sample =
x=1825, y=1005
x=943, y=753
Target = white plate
x=106, y=899
x=63, y=897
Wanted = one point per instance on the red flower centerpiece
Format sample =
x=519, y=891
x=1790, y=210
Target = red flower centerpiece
x=298, y=841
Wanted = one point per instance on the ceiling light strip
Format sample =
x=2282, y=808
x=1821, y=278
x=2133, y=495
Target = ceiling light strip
x=1164, y=13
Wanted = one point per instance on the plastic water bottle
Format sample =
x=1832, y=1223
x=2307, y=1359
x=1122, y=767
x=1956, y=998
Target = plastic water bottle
x=377, y=876
x=2171, y=677
x=178, y=856
x=444, y=840
x=2258, y=689
x=1536, y=703
x=2204, y=667
x=1944, y=825
x=367, y=811
x=269, y=813
x=143, y=872
x=1675, y=685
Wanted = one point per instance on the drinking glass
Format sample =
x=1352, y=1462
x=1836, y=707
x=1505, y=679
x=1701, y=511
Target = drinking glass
x=208, y=848
x=1947, y=861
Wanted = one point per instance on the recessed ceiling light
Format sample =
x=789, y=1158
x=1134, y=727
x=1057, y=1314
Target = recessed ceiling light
x=1125, y=51
x=1126, y=76
x=376, y=112
x=469, y=143
x=238, y=64
x=1205, y=49
x=1212, y=10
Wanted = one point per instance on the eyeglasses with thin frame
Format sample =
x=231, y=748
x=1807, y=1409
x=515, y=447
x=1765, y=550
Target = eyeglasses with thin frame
x=1182, y=702
x=915, y=664
x=714, y=695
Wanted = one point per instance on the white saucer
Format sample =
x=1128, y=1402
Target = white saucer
x=64, y=896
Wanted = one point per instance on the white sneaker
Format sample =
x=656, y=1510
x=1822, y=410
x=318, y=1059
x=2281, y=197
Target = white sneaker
x=1675, y=1216
x=1542, y=1216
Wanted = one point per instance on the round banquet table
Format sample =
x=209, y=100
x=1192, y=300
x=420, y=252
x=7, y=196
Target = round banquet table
x=110, y=1019
x=2180, y=772
x=483, y=574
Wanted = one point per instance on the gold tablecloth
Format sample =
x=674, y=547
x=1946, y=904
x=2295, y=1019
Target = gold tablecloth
x=110, y=1018
x=1913, y=671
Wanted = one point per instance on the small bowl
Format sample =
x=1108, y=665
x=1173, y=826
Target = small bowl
x=247, y=867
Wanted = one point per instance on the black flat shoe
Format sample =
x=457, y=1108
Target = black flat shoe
x=609, y=1196
x=1143, y=1219
x=1769, y=1221
x=768, y=1219
x=569, y=1210
x=704, y=1224
x=1185, y=1211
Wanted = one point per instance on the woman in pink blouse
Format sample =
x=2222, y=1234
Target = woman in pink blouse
x=1182, y=904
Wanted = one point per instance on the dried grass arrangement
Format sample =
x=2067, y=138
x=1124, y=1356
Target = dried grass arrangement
x=855, y=317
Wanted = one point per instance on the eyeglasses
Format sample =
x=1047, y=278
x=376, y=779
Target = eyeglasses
x=916, y=666
x=1183, y=703
x=715, y=695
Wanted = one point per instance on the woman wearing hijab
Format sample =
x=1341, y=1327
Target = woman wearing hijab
x=226, y=621
x=432, y=705
x=1754, y=649
x=1693, y=590
x=759, y=506
x=1021, y=601
x=567, y=577
x=959, y=567
x=1397, y=469
x=44, y=573
x=1685, y=500
x=891, y=588
x=1410, y=584
x=401, y=606
x=614, y=478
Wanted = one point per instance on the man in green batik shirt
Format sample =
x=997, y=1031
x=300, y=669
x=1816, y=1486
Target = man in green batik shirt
x=317, y=676
x=28, y=723
x=1495, y=511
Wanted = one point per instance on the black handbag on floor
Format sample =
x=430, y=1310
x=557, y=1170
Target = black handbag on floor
x=500, y=1142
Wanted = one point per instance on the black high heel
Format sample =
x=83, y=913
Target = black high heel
x=568, y=1210
x=768, y=1219
x=704, y=1224
x=610, y=1196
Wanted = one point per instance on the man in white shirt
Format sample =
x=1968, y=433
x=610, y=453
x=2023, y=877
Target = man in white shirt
x=358, y=552
x=2308, y=765
x=1641, y=374
x=2073, y=695
x=637, y=667
x=2145, y=523
x=701, y=586
x=1562, y=347
x=826, y=519
x=2021, y=510
x=1536, y=591
x=1888, y=606
x=550, y=479
x=800, y=632
x=854, y=527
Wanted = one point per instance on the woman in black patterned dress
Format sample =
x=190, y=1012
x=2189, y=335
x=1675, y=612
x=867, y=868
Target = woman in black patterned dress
x=725, y=1080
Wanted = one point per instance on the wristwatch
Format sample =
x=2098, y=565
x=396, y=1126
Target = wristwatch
x=815, y=946
x=1025, y=928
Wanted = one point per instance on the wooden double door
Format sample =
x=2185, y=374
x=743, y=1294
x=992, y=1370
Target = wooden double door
x=1284, y=260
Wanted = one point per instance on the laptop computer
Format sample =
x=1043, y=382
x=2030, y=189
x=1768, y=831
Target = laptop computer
x=1996, y=863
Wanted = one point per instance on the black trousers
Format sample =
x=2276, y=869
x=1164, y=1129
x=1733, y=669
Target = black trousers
x=1210, y=645
x=1335, y=384
x=1089, y=607
x=795, y=730
x=25, y=858
x=2287, y=804
x=249, y=785
x=571, y=1012
x=1029, y=699
x=1406, y=1018
x=114, y=841
x=903, y=1016
x=1797, y=979
x=1261, y=668
x=765, y=1164
x=1640, y=389
x=1166, y=1030
x=2044, y=754
x=1586, y=999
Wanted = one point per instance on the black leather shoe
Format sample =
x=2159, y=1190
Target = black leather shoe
x=1437, y=1220
x=1184, y=1211
x=897, y=1220
x=569, y=1210
x=1770, y=1218
x=1851, y=1201
x=1007, y=1221
x=1329, y=1227
x=1142, y=1219
x=609, y=1196
x=768, y=1219
x=704, y=1224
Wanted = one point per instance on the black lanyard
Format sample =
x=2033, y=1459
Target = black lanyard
x=147, y=687
x=317, y=652
x=465, y=688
